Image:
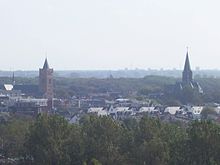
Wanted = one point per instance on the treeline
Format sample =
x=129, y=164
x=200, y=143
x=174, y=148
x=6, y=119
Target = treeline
x=142, y=88
x=68, y=87
x=51, y=140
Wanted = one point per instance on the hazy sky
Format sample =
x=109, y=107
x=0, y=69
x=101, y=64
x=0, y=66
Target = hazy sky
x=109, y=34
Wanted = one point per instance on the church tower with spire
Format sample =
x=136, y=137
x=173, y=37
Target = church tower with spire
x=187, y=76
x=187, y=91
x=46, y=81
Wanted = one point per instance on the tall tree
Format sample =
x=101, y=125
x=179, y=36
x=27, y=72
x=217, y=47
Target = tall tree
x=47, y=139
x=203, y=143
x=102, y=137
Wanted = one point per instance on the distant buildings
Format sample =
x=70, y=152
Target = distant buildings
x=46, y=81
x=187, y=78
x=187, y=91
x=29, y=98
x=174, y=113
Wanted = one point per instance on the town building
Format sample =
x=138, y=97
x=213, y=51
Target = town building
x=187, y=78
x=46, y=81
x=29, y=98
x=186, y=90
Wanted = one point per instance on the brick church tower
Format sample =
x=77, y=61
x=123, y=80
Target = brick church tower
x=46, y=81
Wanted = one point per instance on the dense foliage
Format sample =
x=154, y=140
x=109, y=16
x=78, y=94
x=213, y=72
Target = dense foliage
x=140, y=87
x=101, y=140
x=125, y=86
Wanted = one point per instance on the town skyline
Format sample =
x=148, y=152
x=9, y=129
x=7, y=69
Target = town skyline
x=130, y=67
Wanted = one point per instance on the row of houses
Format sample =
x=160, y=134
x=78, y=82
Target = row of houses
x=22, y=104
x=186, y=112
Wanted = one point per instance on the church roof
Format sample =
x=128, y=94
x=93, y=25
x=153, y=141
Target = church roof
x=46, y=66
x=187, y=64
x=29, y=89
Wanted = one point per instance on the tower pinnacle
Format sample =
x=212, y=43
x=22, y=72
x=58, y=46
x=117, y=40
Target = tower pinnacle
x=187, y=73
x=46, y=66
x=46, y=81
x=187, y=64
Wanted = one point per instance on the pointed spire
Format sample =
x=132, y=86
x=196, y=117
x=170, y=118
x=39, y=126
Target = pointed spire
x=46, y=66
x=13, y=78
x=187, y=64
x=187, y=72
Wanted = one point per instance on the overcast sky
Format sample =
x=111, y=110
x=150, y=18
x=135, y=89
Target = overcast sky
x=109, y=34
